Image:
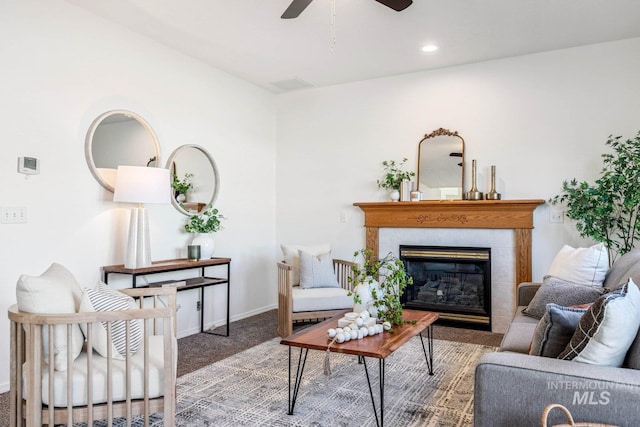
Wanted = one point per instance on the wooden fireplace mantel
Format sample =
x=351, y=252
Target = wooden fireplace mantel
x=491, y=214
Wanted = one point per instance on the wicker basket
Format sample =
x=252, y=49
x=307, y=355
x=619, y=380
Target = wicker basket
x=545, y=415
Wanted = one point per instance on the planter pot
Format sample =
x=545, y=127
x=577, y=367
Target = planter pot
x=181, y=198
x=207, y=244
x=394, y=195
x=363, y=290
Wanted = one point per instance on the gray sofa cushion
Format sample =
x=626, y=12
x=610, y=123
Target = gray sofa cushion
x=633, y=355
x=561, y=292
x=518, y=336
x=513, y=390
x=625, y=267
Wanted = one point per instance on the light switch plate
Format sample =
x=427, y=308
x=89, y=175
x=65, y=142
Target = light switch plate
x=13, y=215
x=556, y=216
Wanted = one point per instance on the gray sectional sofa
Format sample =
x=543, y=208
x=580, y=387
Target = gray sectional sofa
x=512, y=388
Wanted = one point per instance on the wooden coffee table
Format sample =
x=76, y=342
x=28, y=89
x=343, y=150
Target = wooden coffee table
x=378, y=346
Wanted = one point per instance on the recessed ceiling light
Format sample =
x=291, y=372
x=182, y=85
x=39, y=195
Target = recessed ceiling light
x=429, y=48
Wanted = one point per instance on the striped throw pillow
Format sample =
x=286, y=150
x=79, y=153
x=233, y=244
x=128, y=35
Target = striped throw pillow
x=104, y=298
x=316, y=271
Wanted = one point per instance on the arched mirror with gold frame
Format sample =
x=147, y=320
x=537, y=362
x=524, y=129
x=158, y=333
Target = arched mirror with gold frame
x=441, y=165
x=196, y=165
x=119, y=138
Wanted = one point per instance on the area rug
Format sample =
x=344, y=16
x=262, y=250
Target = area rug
x=251, y=389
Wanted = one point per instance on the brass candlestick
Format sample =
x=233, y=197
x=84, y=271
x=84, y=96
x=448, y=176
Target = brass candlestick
x=493, y=194
x=473, y=194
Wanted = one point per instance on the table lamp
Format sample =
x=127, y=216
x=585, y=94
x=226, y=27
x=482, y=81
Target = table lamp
x=140, y=184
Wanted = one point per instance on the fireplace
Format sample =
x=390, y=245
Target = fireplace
x=452, y=281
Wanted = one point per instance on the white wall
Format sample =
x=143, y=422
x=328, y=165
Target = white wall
x=539, y=118
x=61, y=68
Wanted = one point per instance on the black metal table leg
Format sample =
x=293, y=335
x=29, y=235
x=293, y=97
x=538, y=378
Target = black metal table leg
x=300, y=369
x=201, y=309
x=381, y=365
x=228, y=281
x=429, y=356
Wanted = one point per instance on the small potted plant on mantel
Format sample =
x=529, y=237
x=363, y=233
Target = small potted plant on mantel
x=204, y=225
x=393, y=177
x=378, y=285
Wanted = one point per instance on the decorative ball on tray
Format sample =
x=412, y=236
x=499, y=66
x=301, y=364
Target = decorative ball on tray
x=356, y=326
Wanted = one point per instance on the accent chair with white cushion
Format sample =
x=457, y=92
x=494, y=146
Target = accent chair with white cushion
x=311, y=285
x=122, y=366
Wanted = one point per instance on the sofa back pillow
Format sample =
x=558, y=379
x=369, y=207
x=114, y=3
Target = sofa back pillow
x=587, y=266
x=557, y=291
x=554, y=330
x=607, y=330
x=54, y=291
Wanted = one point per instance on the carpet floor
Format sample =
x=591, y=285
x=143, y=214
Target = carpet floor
x=200, y=350
x=251, y=389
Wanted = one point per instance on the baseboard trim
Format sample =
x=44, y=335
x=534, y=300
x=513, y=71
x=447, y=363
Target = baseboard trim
x=221, y=322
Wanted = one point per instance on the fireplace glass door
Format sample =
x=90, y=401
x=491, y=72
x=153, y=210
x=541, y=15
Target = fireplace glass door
x=453, y=281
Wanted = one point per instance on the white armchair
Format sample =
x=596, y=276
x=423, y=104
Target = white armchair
x=91, y=386
x=295, y=303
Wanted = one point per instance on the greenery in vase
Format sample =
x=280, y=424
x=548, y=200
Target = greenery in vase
x=182, y=186
x=392, y=279
x=608, y=211
x=394, y=175
x=206, y=222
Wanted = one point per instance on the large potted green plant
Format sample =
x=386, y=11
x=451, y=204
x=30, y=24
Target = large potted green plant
x=608, y=211
x=378, y=285
x=393, y=177
x=203, y=226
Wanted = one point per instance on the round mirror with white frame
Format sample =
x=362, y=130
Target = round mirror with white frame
x=441, y=165
x=194, y=168
x=119, y=138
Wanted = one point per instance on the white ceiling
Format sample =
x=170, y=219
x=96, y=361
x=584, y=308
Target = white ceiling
x=248, y=39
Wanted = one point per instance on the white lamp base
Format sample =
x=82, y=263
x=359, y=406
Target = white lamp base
x=138, y=246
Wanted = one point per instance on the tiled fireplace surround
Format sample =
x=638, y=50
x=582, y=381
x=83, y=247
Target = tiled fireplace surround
x=503, y=226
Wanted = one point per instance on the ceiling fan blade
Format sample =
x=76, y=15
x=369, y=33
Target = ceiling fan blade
x=396, y=5
x=295, y=8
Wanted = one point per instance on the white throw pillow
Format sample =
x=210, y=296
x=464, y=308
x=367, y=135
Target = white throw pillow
x=292, y=257
x=587, y=266
x=316, y=271
x=104, y=298
x=607, y=329
x=54, y=291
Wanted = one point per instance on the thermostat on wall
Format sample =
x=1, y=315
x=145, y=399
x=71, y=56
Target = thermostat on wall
x=28, y=165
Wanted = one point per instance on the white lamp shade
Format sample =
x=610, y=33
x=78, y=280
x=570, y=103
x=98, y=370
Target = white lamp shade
x=140, y=184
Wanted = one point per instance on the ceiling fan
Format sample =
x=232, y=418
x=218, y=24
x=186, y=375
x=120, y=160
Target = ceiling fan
x=297, y=6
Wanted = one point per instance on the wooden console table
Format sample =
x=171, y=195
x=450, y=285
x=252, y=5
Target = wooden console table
x=200, y=282
x=491, y=214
